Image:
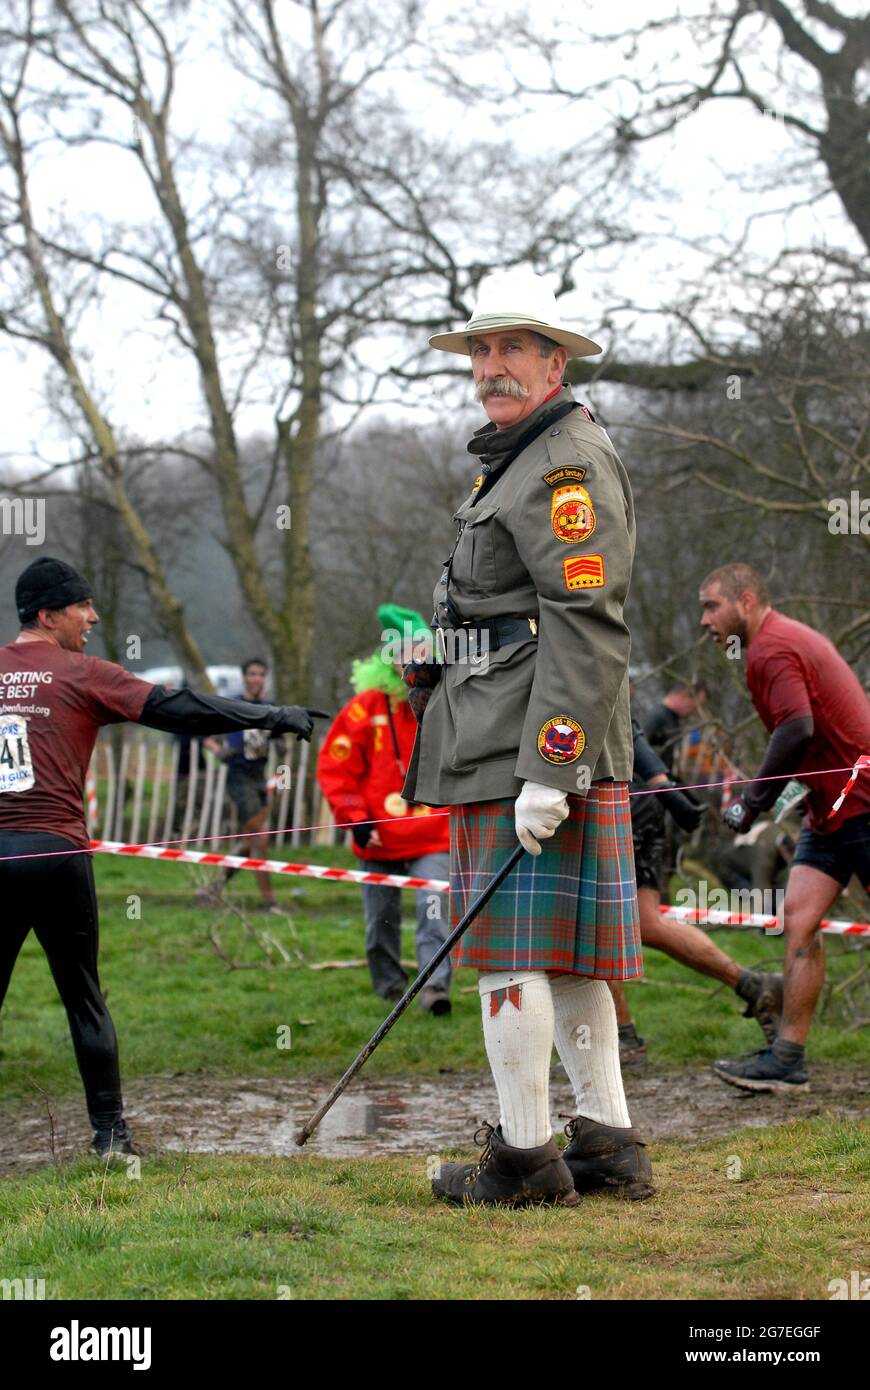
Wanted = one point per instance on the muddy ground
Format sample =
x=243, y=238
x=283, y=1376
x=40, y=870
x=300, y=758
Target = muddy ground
x=204, y=1113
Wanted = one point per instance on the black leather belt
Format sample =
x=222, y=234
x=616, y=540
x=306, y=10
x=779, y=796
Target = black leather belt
x=476, y=638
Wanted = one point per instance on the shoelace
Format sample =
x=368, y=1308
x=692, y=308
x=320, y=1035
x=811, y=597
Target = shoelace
x=481, y=1136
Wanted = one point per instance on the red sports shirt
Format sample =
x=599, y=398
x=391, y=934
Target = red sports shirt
x=792, y=670
x=52, y=702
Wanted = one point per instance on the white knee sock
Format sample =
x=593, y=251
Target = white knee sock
x=518, y=1032
x=587, y=1040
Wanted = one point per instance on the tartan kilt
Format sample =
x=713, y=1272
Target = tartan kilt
x=572, y=908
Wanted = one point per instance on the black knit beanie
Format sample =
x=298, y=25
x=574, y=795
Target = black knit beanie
x=49, y=583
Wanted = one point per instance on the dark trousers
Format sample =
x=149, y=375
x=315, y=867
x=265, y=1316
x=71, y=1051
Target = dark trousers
x=55, y=898
x=383, y=913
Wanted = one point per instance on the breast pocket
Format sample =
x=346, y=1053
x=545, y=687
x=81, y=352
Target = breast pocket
x=474, y=569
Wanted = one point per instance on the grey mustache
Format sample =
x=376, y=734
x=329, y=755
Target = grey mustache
x=501, y=386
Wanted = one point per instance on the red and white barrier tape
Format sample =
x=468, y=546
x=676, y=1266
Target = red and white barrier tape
x=91, y=799
x=863, y=761
x=272, y=866
x=713, y=918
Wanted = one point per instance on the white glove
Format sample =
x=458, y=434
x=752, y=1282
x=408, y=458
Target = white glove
x=539, y=812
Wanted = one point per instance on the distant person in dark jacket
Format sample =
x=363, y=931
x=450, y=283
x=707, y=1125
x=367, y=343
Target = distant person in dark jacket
x=245, y=752
x=664, y=725
x=761, y=992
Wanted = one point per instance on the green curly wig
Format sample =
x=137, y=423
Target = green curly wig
x=374, y=673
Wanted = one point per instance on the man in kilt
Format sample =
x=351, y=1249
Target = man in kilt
x=526, y=734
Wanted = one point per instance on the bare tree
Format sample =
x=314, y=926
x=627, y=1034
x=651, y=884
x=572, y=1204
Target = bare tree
x=803, y=62
x=275, y=261
x=769, y=469
x=39, y=312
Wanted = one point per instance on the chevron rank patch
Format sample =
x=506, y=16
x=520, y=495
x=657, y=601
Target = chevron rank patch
x=567, y=473
x=572, y=514
x=584, y=571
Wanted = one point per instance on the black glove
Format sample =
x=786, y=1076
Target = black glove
x=422, y=677
x=293, y=719
x=362, y=833
x=685, y=810
x=739, y=816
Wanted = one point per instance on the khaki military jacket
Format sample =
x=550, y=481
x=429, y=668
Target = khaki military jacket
x=551, y=539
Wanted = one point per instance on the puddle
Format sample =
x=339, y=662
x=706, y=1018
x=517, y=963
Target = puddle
x=201, y=1113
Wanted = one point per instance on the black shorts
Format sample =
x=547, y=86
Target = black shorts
x=841, y=854
x=648, y=838
x=247, y=791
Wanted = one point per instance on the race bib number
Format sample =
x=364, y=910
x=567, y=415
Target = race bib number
x=16, y=764
x=256, y=744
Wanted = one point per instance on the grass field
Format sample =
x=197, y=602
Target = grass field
x=177, y=1007
x=224, y=1227
x=206, y=1228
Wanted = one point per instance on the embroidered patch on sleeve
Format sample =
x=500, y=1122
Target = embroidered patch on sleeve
x=567, y=473
x=572, y=514
x=561, y=740
x=340, y=748
x=584, y=571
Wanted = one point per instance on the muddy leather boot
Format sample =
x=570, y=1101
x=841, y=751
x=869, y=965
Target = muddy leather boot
x=507, y=1177
x=603, y=1158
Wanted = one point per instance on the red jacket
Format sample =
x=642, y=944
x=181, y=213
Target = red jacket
x=360, y=776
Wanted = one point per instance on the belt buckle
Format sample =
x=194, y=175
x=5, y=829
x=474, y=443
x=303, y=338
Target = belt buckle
x=533, y=624
x=476, y=657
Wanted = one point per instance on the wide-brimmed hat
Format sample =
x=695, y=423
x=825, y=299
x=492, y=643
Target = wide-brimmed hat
x=515, y=299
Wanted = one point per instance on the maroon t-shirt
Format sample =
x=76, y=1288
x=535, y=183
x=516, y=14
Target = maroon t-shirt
x=792, y=671
x=52, y=702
